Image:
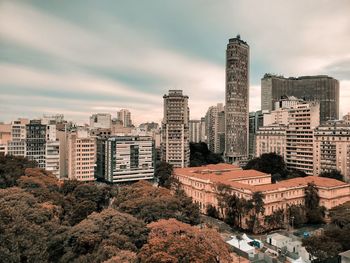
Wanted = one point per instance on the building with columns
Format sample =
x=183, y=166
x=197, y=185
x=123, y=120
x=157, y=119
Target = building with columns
x=200, y=183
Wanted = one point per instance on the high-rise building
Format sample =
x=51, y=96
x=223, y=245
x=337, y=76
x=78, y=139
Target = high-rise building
x=323, y=89
x=303, y=119
x=42, y=146
x=237, y=100
x=215, y=125
x=124, y=116
x=100, y=120
x=81, y=155
x=332, y=148
x=125, y=158
x=17, y=145
x=195, y=131
x=175, y=129
x=256, y=120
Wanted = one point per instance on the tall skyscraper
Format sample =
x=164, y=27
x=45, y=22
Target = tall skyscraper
x=256, y=120
x=175, y=129
x=195, y=131
x=323, y=89
x=124, y=116
x=237, y=100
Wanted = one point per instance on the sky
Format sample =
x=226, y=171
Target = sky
x=82, y=57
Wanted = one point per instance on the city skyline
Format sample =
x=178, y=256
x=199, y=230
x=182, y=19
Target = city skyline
x=86, y=57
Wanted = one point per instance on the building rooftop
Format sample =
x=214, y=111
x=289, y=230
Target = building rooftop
x=229, y=174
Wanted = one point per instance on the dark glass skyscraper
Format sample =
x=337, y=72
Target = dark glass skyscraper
x=323, y=89
x=237, y=100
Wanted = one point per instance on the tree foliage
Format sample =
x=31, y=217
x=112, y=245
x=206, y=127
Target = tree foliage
x=12, y=168
x=334, y=174
x=151, y=204
x=163, y=174
x=201, y=155
x=173, y=241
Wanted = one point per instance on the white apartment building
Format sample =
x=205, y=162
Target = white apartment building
x=303, y=119
x=195, y=131
x=332, y=148
x=81, y=155
x=271, y=139
x=126, y=158
x=100, y=120
x=175, y=129
x=215, y=125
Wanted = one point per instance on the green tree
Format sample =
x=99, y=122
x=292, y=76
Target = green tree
x=201, y=155
x=314, y=213
x=163, y=174
x=258, y=209
x=297, y=215
x=321, y=247
x=275, y=220
x=333, y=174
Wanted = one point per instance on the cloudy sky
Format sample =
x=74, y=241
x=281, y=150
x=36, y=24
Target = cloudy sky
x=81, y=57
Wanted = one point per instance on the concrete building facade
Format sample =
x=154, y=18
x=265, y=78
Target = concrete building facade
x=125, y=159
x=256, y=120
x=332, y=148
x=237, y=100
x=81, y=155
x=323, y=89
x=303, y=119
x=124, y=116
x=271, y=139
x=215, y=128
x=175, y=129
x=100, y=120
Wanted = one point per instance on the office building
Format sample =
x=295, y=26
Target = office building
x=175, y=129
x=42, y=146
x=123, y=159
x=323, y=89
x=332, y=148
x=81, y=155
x=100, y=120
x=237, y=100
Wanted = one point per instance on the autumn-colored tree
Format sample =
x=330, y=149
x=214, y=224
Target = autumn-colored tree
x=101, y=236
x=173, y=241
x=153, y=203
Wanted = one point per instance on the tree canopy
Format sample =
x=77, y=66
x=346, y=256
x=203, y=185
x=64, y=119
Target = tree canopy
x=334, y=174
x=172, y=241
x=201, y=155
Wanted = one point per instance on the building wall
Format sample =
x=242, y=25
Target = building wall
x=323, y=89
x=271, y=139
x=195, y=131
x=175, y=129
x=81, y=156
x=303, y=119
x=332, y=148
x=100, y=120
x=127, y=158
x=237, y=100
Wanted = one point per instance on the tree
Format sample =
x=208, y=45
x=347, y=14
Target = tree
x=149, y=203
x=257, y=204
x=314, y=213
x=334, y=174
x=201, y=155
x=12, y=168
x=102, y=236
x=163, y=174
x=270, y=163
x=169, y=241
x=275, y=220
x=321, y=247
x=212, y=211
x=297, y=215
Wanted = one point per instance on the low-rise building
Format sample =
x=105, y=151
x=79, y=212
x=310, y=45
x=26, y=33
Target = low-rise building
x=201, y=183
